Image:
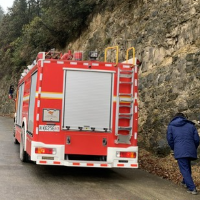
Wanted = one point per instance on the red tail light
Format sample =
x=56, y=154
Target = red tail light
x=123, y=154
x=42, y=150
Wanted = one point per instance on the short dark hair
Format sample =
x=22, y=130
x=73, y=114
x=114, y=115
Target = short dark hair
x=180, y=115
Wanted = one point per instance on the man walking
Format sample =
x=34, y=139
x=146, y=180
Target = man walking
x=183, y=138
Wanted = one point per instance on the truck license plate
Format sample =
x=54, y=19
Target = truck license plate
x=50, y=128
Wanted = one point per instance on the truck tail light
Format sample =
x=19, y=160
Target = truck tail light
x=42, y=150
x=123, y=154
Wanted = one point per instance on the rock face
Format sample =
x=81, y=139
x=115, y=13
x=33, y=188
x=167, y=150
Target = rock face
x=166, y=36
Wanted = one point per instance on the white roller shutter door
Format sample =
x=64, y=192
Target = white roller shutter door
x=88, y=99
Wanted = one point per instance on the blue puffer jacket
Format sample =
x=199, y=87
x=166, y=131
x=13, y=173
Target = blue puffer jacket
x=183, y=138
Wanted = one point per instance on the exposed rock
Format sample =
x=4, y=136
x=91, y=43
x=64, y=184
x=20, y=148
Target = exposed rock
x=166, y=37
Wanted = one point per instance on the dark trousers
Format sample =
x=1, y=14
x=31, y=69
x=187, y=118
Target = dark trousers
x=185, y=169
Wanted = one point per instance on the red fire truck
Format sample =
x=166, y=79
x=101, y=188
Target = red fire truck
x=71, y=112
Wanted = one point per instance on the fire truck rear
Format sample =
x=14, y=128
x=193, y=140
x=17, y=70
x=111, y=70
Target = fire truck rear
x=71, y=112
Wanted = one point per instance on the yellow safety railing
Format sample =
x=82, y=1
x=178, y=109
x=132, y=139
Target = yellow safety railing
x=127, y=54
x=117, y=53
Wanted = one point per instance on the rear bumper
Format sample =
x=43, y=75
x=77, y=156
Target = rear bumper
x=59, y=158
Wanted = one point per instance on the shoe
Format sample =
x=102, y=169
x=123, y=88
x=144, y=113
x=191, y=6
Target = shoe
x=192, y=191
x=184, y=185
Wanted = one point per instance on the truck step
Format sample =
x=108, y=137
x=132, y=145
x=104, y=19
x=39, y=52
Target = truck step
x=125, y=75
x=122, y=82
x=124, y=117
x=126, y=71
x=123, y=139
x=125, y=128
x=125, y=94
x=126, y=114
x=126, y=100
x=125, y=106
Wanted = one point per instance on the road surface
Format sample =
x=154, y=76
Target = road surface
x=28, y=181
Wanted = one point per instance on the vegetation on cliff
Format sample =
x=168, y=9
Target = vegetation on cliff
x=31, y=26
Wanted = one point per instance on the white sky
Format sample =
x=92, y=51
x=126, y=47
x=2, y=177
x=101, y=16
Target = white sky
x=5, y=4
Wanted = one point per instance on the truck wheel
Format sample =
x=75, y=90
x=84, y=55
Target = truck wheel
x=15, y=140
x=23, y=155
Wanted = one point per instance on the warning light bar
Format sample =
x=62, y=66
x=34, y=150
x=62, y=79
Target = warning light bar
x=122, y=154
x=42, y=150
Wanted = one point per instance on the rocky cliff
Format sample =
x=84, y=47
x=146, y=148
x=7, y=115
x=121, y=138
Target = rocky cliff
x=166, y=36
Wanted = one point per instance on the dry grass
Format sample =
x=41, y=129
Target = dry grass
x=167, y=167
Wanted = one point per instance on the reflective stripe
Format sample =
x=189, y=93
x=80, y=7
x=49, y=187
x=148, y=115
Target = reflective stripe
x=51, y=95
x=108, y=65
x=135, y=82
x=95, y=64
x=56, y=162
x=42, y=162
x=83, y=164
x=37, y=130
x=120, y=165
x=26, y=98
x=135, y=95
x=90, y=164
x=37, y=118
x=134, y=165
x=73, y=63
x=135, y=109
x=135, y=136
x=114, y=98
x=38, y=103
x=126, y=66
x=103, y=165
x=60, y=62
x=95, y=70
x=136, y=69
x=76, y=164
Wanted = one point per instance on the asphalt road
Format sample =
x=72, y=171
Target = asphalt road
x=28, y=181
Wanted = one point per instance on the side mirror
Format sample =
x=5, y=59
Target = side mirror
x=11, y=91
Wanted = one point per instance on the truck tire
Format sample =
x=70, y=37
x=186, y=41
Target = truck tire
x=15, y=140
x=23, y=155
